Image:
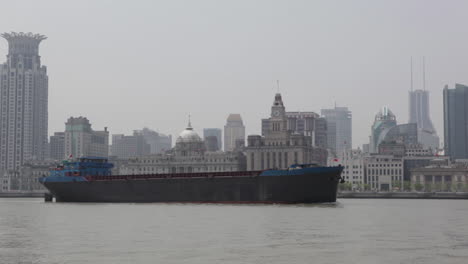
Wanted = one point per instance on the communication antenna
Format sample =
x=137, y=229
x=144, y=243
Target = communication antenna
x=411, y=73
x=189, y=121
x=424, y=73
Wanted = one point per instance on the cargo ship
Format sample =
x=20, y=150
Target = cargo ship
x=89, y=179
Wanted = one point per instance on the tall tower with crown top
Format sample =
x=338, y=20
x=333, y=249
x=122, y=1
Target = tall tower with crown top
x=23, y=102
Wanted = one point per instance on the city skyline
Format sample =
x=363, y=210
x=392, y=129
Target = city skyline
x=247, y=131
x=427, y=114
x=312, y=73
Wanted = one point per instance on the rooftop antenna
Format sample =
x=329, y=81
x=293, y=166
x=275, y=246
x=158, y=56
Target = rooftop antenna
x=424, y=73
x=189, y=122
x=411, y=73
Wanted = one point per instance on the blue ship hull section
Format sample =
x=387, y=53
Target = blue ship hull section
x=62, y=179
x=306, y=185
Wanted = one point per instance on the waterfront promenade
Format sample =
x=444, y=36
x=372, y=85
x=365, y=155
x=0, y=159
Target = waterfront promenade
x=403, y=195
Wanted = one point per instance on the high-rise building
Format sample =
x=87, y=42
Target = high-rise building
x=419, y=109
x=456, y=121
x=339, y=128
x=281, y=147
x=420, y=115
x=23, y=101
x=208, y=133
x=321, y=133
x=384, y=121
x=309, y=124
x=57, y=146
x=81, y=140
x=125, y=147
x=234, y=131
x=159, y=143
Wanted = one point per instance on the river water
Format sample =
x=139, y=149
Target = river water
x=350, y=231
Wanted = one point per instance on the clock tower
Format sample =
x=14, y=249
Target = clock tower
x=278, y=120
x=278, y=146
x=278, y=110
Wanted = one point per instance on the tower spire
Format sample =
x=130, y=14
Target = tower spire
x=424, y=73
x=189, y=122
x=411, y=63
x=277, y=86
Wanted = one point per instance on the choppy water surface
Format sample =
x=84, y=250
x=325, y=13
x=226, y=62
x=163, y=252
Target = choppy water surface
x=350, y=231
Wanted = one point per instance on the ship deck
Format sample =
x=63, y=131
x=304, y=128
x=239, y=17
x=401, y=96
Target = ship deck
x=174, y=175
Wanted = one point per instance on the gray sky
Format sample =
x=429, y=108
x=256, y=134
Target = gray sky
x=129, y=64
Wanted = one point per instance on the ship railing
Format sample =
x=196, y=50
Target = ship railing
x=173, y=175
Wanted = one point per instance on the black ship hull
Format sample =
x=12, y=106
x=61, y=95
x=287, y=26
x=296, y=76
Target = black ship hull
x=304, y=188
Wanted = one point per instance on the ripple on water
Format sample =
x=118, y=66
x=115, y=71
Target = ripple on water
x=349, y=231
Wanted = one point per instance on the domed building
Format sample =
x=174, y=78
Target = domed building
x=384, y=121
x=189, y=155
x=189, y=143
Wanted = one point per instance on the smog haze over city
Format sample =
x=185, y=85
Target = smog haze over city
x=126, y=65
x=258, y=131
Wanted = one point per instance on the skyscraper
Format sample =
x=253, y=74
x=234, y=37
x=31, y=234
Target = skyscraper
x=384, y=121
x=212, y=132
x=57, y=146
x=125, y=147
x=456, y=121
x=419, y=109
x=81, y=140
x=159, y=143
x=339, y=129
x=419, y=114
x=234, y=131
x=23, y=102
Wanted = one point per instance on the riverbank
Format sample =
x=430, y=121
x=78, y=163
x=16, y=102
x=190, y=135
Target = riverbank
x=403, y=195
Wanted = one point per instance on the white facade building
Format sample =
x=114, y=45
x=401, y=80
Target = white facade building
x=26, y=179
x=189, y=155
x=384, y=172
x=23, y=101
x=354, y=163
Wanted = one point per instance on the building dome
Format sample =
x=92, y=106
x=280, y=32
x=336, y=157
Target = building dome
x=188, y=135
x=385, y=114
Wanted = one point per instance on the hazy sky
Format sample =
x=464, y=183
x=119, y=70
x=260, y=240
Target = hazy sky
x=129, y=64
